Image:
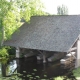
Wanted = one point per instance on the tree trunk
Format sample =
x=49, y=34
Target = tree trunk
x=4, y=70
x=2, y=41
x=3, y=34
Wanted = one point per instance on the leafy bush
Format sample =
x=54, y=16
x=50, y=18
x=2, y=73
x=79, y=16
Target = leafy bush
x=76, y=72
x=3, y=52
x=11, y=50
x=59, y=78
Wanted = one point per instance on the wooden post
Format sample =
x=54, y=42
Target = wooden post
x=3, y=70
x=77, y=64
x=18, y=65
x=44, y=57
x=17, y=52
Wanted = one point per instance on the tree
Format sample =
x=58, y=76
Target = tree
x=62, y=10
x=11, y=13
x=4, y=7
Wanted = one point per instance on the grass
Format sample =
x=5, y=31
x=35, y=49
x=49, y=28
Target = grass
x=76, y=73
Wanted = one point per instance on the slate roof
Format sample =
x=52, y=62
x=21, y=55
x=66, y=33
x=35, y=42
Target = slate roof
x=50, y=33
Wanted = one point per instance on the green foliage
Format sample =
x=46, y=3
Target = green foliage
x=29, y=8
x=0, y=37
x=4, y=7
x=76, y=72
x=3, y=53
x=11, y=50
x=11, y=13
x=59, y=78
x=11, y=21
x=62, y=10
x=11, y=78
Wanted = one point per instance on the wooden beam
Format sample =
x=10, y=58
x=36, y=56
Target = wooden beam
x=40, y=51
x=31, y=53
x=72, y=49
x=71, y=54
x=43, y=56
x=77, y=64
x=78, y=49
x=17, y=52
x=79, y=37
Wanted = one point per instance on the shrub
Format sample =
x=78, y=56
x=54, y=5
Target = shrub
x=3, y=52
x=11, y=50
x=76, y=72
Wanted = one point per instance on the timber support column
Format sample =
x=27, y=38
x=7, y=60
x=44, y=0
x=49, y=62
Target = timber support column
x=77, y=64
x=17, y=52
x=44, y=57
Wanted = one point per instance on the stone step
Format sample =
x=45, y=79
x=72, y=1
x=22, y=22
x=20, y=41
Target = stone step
x=55, y=57
x=71, y=54
x=40, y=56
x=30, y=54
